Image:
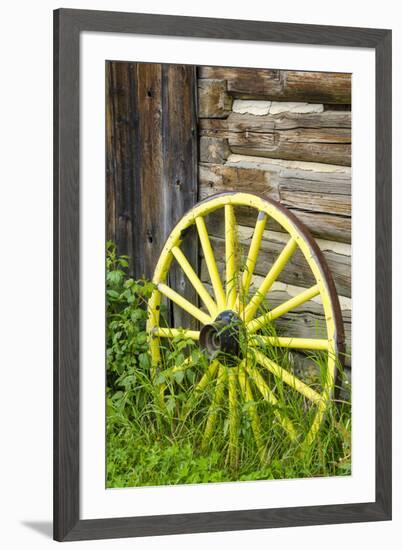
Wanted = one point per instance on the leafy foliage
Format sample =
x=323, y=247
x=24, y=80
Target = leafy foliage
x=150, y=442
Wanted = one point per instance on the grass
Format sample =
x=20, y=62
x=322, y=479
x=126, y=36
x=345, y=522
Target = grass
x=150, y=442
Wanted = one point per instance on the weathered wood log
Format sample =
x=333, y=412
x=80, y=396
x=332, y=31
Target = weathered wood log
x=311, y=146
x=317, y=137
x=326, y=192
x=152, y=162
x=214, y=150
x=324, y=226
x=320, y=196
x=288, y=120
x=273, y=84
x=213, y=99
x=296, y=272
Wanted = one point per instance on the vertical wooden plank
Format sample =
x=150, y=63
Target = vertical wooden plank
x=149, y=194
x=180, y=169
x=120, y=118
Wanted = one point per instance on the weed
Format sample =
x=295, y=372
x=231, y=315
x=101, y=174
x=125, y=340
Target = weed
x=156, y=423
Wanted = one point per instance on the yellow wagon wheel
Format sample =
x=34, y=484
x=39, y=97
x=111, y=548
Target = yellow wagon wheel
x=231, y=321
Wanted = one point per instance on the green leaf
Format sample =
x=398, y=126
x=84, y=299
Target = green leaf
x=160, y=379
x=178, y=376
x=170, y=404
x=144, y=360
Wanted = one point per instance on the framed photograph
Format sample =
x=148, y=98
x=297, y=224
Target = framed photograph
x=222, y=287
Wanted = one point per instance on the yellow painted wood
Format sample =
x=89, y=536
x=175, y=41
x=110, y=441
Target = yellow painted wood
x=153, y=321
x=269, y=396
x=252, y=412
x=287, y=306
x=211, y=262
x=178, y=368
x=184, y=304
x=230, y=251
x=292, y=343
x=288, y=378
x=233, y=418
x=164, y=332
x=214, y=407
x=206, y=379
x=253, y=252
x=207, y=376
x=195, y=281
x=270, y=278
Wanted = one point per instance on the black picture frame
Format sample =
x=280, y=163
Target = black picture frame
x=68, y=24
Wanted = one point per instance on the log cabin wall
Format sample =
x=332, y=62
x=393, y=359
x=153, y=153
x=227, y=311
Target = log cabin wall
x=281, y=134
x=285, y=135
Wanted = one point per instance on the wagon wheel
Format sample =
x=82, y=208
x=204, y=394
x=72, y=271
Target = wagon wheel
x=231, y=320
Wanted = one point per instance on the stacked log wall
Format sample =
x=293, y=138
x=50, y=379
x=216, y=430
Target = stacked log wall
x=285, y=135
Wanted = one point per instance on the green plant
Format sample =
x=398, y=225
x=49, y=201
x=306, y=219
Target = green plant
x=154, y=443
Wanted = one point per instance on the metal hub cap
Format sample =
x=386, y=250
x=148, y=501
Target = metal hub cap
x=222, y=337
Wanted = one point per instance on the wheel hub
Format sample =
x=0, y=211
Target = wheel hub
x=222, y=337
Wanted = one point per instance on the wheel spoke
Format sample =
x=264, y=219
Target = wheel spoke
x=206, y=379
x=187, y=363
x=214, y=407
x=207, y=376
x=252, y=412
x=210, y=261
x=270, y=278
x=153, y=320
x=230, y=250
x=195, y=281
x=233, y=418
x=292, y=343
x=287, y=306
x=253, y=252
x=269, y=396
x=184, y=304
x=163, y=332
x=322, y=407
x=288, y=378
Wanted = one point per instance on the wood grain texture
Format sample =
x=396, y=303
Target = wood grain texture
x=120, y=121
x=214, y=150
x=316, y=137
x=68, y=24
x=287, y=120
x=297, y=271
x=151, y=144
x=328, y=192
x=320, y=225
x=274, y=84
x=213, y=99
x=237, y=520
x=180, y=183
x=66, y=282
x=383, y=297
